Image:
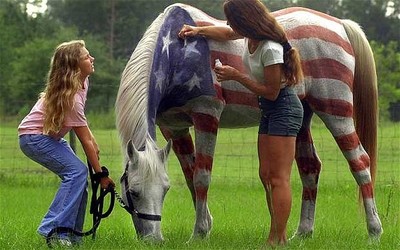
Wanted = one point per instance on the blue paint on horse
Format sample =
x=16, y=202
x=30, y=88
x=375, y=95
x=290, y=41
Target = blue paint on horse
x=181, y=68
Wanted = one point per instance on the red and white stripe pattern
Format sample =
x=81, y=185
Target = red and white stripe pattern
x=328, y=64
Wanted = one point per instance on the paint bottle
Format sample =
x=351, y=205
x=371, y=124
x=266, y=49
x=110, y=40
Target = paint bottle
x=218, y=63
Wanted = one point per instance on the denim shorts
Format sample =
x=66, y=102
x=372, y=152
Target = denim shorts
x=282, y=117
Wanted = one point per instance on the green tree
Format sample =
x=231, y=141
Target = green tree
x=373, y=16
x=387, y=59
x=14, y=29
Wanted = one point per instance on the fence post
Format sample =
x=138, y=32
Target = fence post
x=72, y=140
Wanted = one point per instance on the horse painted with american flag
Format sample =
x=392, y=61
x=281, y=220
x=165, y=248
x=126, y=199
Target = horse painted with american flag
x=170, y=82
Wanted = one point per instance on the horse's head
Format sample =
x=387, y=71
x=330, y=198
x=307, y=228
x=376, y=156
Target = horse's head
x=144, y=185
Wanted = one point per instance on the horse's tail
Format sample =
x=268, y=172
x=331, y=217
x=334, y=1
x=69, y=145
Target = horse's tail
x=365, y=92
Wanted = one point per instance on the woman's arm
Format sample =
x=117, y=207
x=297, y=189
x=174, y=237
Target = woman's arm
x=269, y=89
x=219, y=33
x=90, y=147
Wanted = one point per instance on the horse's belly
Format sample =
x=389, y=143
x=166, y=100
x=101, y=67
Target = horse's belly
x=239, y=116
x=233, y=116
x=174, y=118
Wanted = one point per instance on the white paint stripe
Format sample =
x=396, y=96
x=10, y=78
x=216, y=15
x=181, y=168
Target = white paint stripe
x=355, y=153
x=313, y=48
x=338, y=125
x=205, y=143
x=330, y=89
x=309, y=181
x=362, y=177
x=299, y=18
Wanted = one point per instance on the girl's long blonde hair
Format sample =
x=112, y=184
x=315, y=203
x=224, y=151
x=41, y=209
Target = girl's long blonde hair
x=252, y=19
x=63, y=82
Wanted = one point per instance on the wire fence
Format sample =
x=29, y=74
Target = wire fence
x=235, y=156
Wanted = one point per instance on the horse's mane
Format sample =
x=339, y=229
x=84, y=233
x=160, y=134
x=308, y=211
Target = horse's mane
x=151, y=165
x=131, y=103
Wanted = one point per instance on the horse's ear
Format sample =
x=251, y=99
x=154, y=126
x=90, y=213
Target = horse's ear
x=165, y=151
x=132, y=151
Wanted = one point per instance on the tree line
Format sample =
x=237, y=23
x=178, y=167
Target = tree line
x=112, y=28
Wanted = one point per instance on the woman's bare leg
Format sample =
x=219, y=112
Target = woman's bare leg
x=276, y=155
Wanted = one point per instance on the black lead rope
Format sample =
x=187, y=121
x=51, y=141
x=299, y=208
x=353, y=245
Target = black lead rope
x=96, y=206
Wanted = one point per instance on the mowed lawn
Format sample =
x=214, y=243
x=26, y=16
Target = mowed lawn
x=236, y=198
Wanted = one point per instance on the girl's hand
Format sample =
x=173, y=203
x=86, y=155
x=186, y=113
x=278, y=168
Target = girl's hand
x=107, y=182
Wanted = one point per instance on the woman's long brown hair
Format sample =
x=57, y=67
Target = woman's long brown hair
x=252, y=19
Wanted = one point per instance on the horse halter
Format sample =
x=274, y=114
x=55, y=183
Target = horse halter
x=130, y=208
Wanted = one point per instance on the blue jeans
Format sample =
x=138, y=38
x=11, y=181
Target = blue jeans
x=69, y=205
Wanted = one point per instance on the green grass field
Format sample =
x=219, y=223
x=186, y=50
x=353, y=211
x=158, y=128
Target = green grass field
x=236, y=198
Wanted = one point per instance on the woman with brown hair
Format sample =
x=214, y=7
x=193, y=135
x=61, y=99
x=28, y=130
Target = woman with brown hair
x=274, y=68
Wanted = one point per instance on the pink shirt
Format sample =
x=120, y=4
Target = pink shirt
x=33, y=122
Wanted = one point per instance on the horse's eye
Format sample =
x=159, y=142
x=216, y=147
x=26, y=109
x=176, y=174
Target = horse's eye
x=134, y=194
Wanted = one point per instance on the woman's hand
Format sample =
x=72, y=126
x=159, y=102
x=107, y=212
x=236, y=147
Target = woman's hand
x=226, y=72
x=187, y=30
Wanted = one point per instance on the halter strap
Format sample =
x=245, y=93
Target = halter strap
x=130, y=208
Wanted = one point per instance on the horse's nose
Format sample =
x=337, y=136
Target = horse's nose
x=153, y=238
x=149, y=231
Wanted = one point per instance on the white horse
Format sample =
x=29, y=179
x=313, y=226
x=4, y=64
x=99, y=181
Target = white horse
x=170, y=82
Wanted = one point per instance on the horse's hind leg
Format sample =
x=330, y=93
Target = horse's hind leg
x=343, y=130
x=309, y=166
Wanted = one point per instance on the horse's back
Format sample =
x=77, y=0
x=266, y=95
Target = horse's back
x=326, y=54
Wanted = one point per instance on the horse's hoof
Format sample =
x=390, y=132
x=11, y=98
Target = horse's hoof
x=302, y=235
x=375, y=235
x=375, y=230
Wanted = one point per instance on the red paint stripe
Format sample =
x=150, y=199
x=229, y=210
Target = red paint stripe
x=304, y=138
x=295, y=9
x=308, y=165
x=367, y=191
x=229, y=59
x=319, y=32
x=240, y=98
x=201, y=193
x=203, y=23
x=360, y=164
x=218, y=90
x=183, y=145
x=331, y=106
x=205, y=123
x=188, y=172
x=309, y=194
x=204, y=162
x=348, y=142
x=328, y=68
x=231, y=97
